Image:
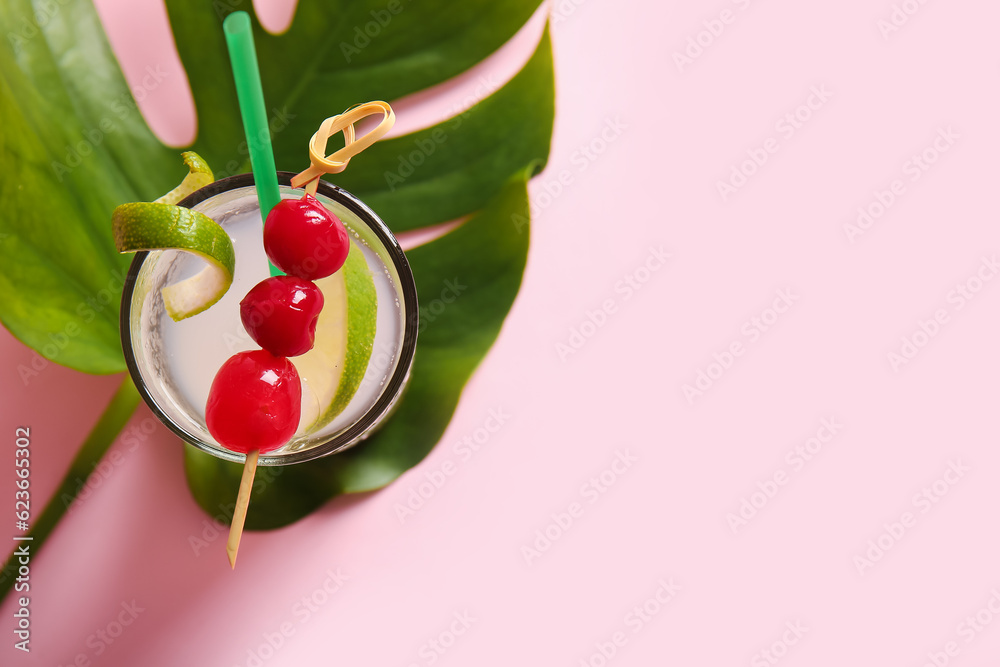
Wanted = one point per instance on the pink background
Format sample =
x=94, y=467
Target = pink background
x=670, y=134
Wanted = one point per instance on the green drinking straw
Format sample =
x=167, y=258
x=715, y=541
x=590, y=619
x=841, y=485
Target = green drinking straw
x=243, y=56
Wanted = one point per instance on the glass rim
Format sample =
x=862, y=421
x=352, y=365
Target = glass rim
x=393, y=386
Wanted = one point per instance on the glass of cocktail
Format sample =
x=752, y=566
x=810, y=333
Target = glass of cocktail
x=365, y=337
x=335, y=321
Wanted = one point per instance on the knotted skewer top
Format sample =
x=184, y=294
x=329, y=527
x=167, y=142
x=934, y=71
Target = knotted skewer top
x=337, y=161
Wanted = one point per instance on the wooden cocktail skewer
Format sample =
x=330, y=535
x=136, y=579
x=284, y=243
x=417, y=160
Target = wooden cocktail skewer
x=309, y=179
x=242, y=501
x=243, y=57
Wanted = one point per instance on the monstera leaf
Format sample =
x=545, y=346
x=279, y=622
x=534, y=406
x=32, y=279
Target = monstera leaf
x=74, y=146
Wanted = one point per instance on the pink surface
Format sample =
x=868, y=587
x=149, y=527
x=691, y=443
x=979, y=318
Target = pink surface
x=818, y=503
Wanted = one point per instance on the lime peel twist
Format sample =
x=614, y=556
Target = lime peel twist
x=163, y=225
x=199, y=175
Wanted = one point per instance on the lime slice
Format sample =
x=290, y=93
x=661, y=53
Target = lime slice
x=345, y=333
x=150, y=226
x=199, y=175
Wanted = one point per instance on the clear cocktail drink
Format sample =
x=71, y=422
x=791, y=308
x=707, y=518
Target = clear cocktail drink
x=174, y=363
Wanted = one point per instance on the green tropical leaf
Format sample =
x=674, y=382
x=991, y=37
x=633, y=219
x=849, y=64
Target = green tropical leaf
x=76, y=147
x=73, y=147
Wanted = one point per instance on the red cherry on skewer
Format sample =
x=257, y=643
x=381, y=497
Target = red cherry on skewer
x=281, y=312
x=303, y=238
x=254, y=402
x=254, y=406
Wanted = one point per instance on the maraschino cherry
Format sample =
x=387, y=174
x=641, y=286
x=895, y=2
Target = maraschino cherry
x=254, y=402
x=281, y=312
x=303, y=238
